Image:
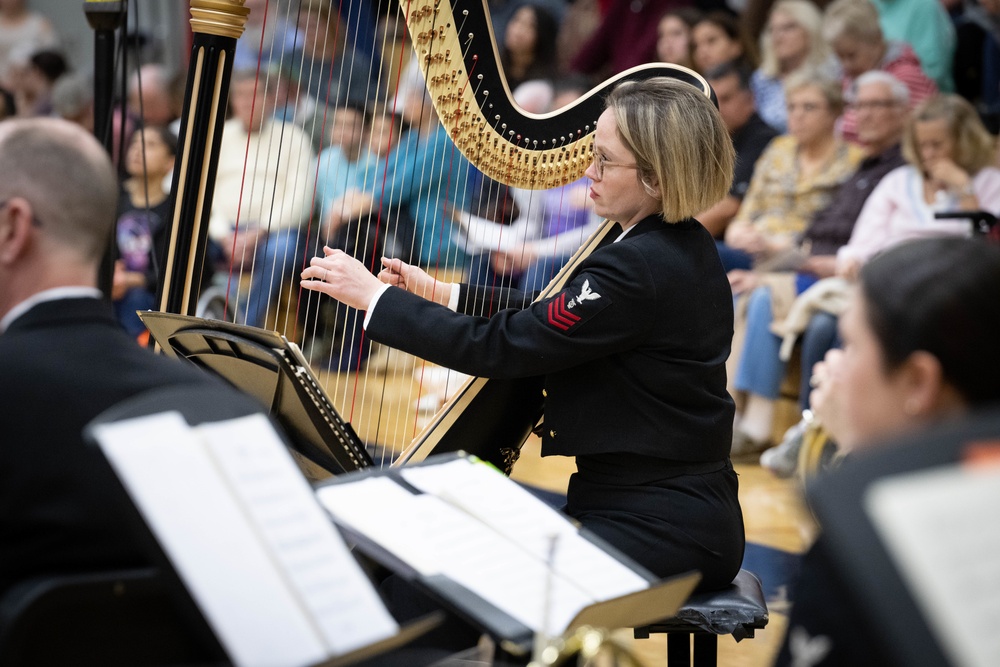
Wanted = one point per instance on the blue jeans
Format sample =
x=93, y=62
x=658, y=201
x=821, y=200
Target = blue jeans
x=278, y=260
x=535, y=278
x=137, y=298
x=760, y=369
x=819, y=337
x=733, y=258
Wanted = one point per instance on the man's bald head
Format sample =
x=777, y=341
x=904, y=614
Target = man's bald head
x=66, y=176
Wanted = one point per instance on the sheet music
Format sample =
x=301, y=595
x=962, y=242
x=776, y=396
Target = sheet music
x=513, y=511
x=941, y=529
x=504, y=559
x=216, y=548
x=306, y=547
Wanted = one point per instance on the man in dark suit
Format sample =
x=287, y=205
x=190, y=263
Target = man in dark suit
x=63, y=358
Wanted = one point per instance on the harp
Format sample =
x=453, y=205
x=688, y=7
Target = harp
x=453, y=47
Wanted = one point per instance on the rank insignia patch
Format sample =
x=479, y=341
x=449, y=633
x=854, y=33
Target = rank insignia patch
x=570, y=309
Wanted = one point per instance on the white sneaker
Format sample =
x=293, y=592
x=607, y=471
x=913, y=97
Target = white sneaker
x=784, y=459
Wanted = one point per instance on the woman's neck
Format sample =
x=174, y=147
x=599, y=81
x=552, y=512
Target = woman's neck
x=519, y=63
x=813, y=155
x=789, y=65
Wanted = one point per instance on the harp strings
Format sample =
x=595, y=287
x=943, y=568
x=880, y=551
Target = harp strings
x=387, y=403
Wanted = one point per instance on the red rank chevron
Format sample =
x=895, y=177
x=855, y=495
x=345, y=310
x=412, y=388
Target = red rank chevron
x=559, y=316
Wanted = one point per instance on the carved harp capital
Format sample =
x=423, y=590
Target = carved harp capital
x=224, y=18
x=456, y=51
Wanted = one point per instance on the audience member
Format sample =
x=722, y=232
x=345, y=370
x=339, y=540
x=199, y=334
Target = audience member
x=927, y=28
x=427, y=182
x=149, y=95
x=528, y=50
x=325, y=66
x=673, y=36
x=905, y=366
x=792, y=40
x=795, y=177
x=337, y=166
x=717, y=39
x=143, y=224
x=881, y=102
x=977, y=58
x=750, y=134
x=63, y=357
x=73, y=99
x=34, y=94
x=625, y=37
x=263, y=191
x=22, y=32
x=851, y=27
x=269, y=35
x=951, y=167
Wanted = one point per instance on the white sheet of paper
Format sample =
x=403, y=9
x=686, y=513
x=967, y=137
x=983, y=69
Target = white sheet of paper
x=304, y=544
x=513, y=511
x=435, y=537
x=941, y=528
x=208, y=538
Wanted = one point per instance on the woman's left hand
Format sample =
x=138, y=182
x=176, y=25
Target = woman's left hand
x=949, y=175
x=342, y=277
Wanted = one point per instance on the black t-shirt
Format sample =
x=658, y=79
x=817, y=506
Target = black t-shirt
x=749, y=142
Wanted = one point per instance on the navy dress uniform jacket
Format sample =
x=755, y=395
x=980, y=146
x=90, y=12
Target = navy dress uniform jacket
x=633, y=355
x=62, y=509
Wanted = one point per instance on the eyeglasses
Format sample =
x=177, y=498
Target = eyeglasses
x=600, y=163
x=35, y=221
x=872, y=105
x=808, y=107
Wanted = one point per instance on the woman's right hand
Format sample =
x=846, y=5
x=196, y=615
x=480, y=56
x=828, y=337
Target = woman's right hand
x=415, y=280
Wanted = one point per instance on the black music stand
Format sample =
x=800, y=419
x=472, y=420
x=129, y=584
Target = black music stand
x=269, y=367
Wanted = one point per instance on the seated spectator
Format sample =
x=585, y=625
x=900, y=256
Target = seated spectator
x=795, y=177
x=143, y=224
x=951, y=160
x=851, y=27
x=927, y=28
x=34, y=94
x=625, y=36
x=263, y=191
x=426, y=181
x=149, y=95
x=267, y=36
x=717, y=39
x=977, y=58
x=528, y=47
x=673, y=41
x=792, y=40
x=326, y=66
x=750, y=134
x=22, y=32
x=63, y=358
x=759, y=365
x=73, y=99
x=905, y=366
x=336, y=167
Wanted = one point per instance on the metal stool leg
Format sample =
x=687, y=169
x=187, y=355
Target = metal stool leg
x=678, y=649
x=706, y=649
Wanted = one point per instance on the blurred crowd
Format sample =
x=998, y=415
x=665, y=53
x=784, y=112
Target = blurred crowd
x=858, y=124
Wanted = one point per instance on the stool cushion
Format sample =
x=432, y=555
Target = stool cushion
x=736, y=610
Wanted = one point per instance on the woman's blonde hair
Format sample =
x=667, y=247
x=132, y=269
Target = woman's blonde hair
x=975, y=147
x=831, y=89
x=854, y=19
x=806, y=15
x=679, y=141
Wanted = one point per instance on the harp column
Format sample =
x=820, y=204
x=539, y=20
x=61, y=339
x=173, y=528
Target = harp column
x=216, y=25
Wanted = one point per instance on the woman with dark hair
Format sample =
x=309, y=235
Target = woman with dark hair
x=635, y=376
x=673, y=36
x=920, y=350
x=528, y=50
x=718, y=39
x=143, y=217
